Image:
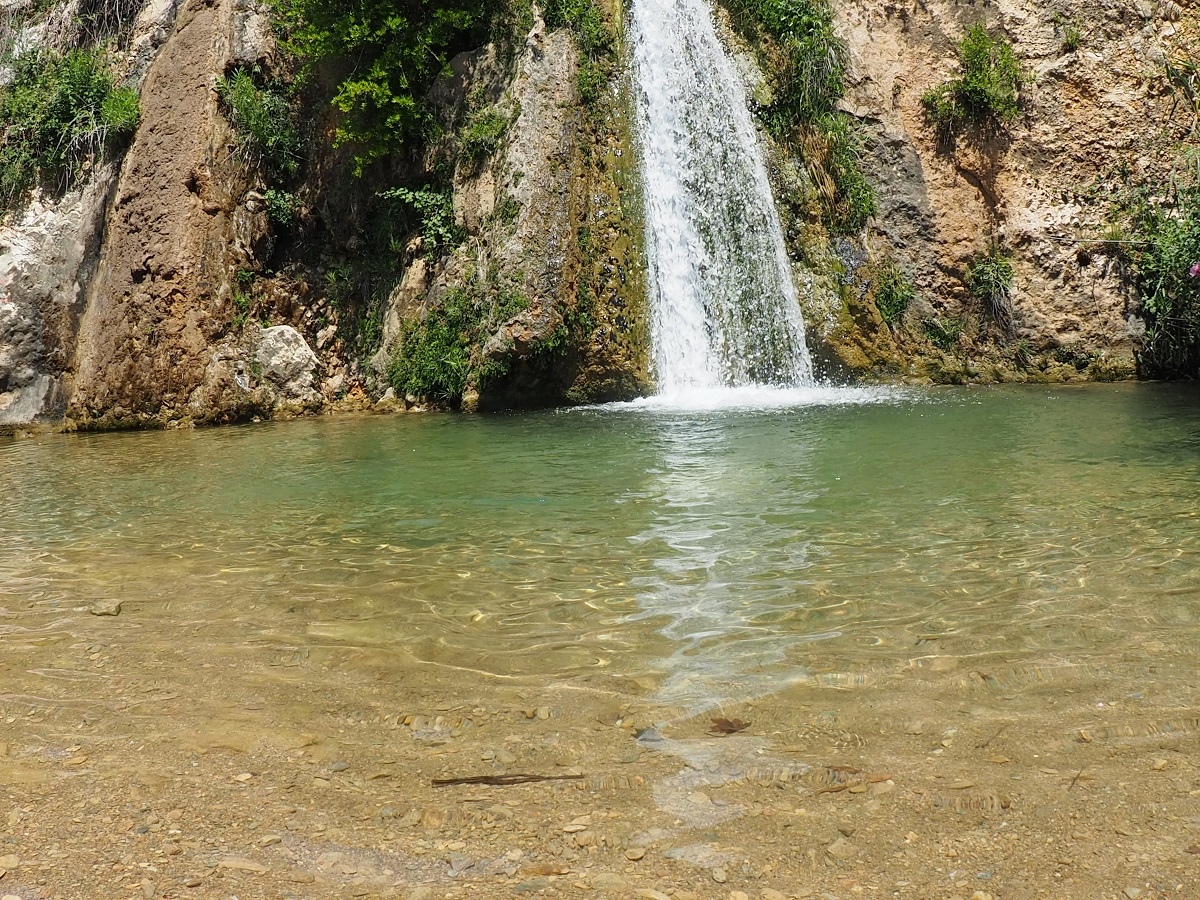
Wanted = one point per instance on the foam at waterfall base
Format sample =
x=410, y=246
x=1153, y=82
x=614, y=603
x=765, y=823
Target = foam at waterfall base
x=764, y=397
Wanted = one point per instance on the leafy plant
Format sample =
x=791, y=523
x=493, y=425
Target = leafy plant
x=430, y=210
x=812, y=77
x=1167, y=264
x=389, y=52
x=507, y=210
x=808, y=63
x=943, y=333
x=435, y=356
x=989, y=278
x=56, y=114
x=1072, y=39
x=282, y=206
x=986, y=96
x=241, y=302
x=483, y=134
x=339, y=284
x=853, y=201
x=263, y=120
x=893, y=292
x=596, y=42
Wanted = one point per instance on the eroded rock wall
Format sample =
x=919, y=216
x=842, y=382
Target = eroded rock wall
x=550, y=218
x=1088, y=111
x=157, y=293
x=115, y=297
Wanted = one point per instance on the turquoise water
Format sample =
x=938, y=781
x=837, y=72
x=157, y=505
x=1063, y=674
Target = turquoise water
x=716, y=554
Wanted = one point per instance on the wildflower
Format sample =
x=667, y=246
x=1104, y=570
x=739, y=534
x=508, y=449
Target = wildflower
x=1194, y=271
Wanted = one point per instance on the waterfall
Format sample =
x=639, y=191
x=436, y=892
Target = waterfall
x=724, y=306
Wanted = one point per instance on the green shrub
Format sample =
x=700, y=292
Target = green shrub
x=429, y=210
x=56, y=114
x=986, y=96
x=812, y=77
x=854, y=199
x=596, y=42
x=893, y=293
x=434, y=356
x=808, y=64
x=1167, y=264
x=943, y=333
x=282, y=206
x=989, y=278
x=121, y=111
x=1072, y=39
x=507, y=210
x=592, y=35
x=388, y=53
x=263, y=120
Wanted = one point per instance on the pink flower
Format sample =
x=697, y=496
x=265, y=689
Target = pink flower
x=1194, y=271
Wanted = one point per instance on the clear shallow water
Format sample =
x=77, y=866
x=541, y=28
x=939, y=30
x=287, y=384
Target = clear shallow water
x=719, y=554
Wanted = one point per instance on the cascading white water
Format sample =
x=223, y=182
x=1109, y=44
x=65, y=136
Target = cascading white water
x=724, y=307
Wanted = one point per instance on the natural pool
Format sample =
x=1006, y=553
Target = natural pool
x=909, y=572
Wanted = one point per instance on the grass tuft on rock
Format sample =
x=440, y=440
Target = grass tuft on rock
x=987, y=95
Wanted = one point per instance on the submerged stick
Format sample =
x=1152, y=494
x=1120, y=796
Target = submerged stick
x=502, y=780
x=999, y=732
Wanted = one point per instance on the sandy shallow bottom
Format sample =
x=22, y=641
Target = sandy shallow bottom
x=141, y=758
x=962, y=629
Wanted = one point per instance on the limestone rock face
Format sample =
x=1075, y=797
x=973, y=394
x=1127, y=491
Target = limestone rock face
x=547, y=221
x=47, y=255
x=1087, y=112
x=122, y=302
x=287, y=361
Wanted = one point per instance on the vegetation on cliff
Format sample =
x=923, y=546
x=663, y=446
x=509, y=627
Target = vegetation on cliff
x=596, y=42
x=264, y=120
x=989, y=279
x=60, y=114
x=807, y=63
x=987, y=94
x=1166, y=257
x=387, y=54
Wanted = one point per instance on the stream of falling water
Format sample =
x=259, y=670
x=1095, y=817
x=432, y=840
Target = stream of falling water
x=724, y=307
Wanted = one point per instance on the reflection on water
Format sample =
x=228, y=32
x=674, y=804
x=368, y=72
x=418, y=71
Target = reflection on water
x=729, y=550
x=721, y=554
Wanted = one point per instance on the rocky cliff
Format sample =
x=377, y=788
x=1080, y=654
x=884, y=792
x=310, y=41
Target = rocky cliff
x=1099, y=106
x=162, y=288
x=175, y=280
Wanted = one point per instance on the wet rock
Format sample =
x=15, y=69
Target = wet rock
x=105, y=608
x=241, y=864
x=842, y=849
